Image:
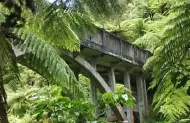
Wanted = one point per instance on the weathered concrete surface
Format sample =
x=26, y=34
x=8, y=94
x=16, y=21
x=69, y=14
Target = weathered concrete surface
x=110, y=44
x=127, y=84
x=141, y=98
x=97, y=80
x=94, y=97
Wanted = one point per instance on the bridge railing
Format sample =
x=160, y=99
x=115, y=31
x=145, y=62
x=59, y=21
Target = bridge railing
x=108, y=42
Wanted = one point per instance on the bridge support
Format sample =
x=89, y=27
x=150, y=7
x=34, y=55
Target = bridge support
x=111, y=84
x=141, y=98
x=146, y=98
x=127, y=84
x=94, y=96
x=111, y=79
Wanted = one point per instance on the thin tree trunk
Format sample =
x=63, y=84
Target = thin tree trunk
x=3, y=103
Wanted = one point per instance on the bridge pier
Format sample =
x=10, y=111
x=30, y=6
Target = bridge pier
x=127, y=84
x=111, y=79
x=142, y=100
x=94, y=97
x=146, y=98
x=111, y=84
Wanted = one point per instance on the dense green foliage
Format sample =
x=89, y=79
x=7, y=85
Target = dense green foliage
x=36, y=101
x=170, y=66
x=39, y=28
x=122, y=96
x=47, y=104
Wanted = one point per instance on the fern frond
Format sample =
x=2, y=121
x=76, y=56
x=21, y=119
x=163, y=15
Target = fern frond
x=172, y=102
x=148, y=41
x=174, y=49
x=60, y=26
x=44, y=59
x=102, y=9
x=26, y=119
x=15, y=99
x=171, y=71
x=129, y=30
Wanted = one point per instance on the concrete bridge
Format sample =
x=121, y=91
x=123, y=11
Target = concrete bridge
x=107, y=59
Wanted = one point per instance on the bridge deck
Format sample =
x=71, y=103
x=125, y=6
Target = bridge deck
x=109, y=44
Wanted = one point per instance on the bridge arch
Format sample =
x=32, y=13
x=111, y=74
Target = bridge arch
x=96, y=79
x=88, y=70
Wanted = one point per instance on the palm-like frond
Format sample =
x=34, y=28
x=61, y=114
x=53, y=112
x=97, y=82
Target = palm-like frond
x=171, y=67
x=148, y=41
x=154, y=31
x=43, y=58
x=26, y=119
x=17, y=98
x=60, y=26
x=175, y=43
x=172, y=102
x=106, y=8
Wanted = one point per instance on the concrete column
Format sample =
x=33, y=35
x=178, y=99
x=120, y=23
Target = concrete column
x=94, y=97
x=140, y=97
x=111, y=79
x=111, y=84
x=127, y=84
x=145, y=98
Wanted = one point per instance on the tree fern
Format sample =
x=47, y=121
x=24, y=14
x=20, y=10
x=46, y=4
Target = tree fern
x=174, y=49
x=58, y=24
x=171, y=67
x=148, y=41
x=7, y=57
